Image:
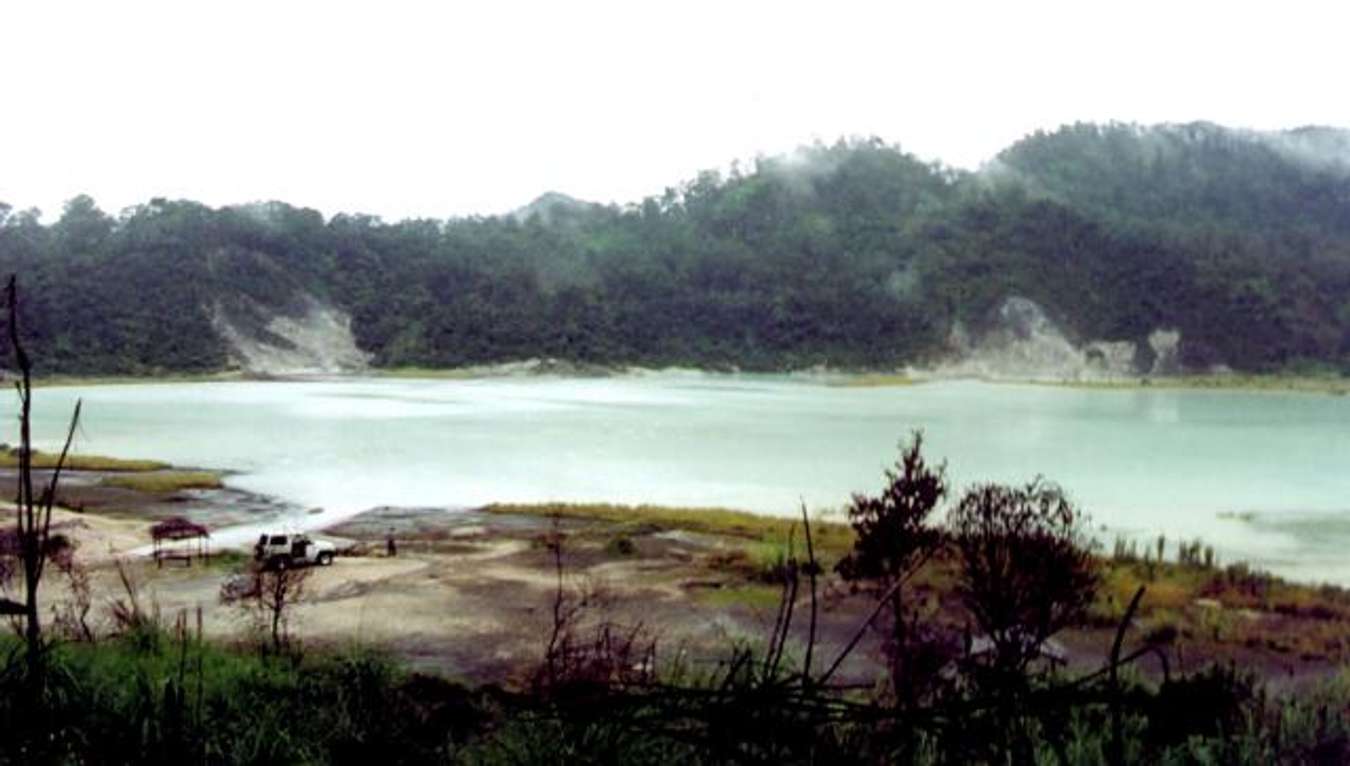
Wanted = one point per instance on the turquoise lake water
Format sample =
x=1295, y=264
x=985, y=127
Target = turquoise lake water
x=1142, y=462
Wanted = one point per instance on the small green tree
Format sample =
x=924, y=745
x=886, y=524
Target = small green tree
x=894, y=538
x=1027, y=567
x=1027, y=572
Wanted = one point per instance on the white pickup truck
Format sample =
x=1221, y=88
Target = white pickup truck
x=287, y=550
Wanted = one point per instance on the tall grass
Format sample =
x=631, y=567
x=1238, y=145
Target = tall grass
x=162, y=482
x=830, y=537
x=47, y=460
x=182, y=700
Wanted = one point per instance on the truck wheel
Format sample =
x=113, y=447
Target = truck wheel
x=325, y=559
x=280, y=564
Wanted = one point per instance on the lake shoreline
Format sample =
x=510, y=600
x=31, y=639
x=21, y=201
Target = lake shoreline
x=861, y=378
x=468, y=593
x=678, y=570
x=755, y=443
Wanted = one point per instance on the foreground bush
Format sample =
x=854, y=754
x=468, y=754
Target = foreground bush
x=130, y=700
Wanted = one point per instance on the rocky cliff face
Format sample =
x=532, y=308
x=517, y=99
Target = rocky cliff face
x=1023, y=343
x=315, y=339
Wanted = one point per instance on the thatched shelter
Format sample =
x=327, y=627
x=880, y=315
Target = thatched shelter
x=178, y=538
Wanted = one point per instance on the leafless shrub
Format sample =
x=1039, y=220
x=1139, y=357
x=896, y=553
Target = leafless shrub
x=71, y=616
x=266, y=597
x=131, y=617
x=586, y=650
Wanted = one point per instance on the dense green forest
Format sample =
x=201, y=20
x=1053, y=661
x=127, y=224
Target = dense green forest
x=854, y=255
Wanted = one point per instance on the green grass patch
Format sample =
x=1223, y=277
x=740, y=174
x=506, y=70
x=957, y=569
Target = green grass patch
x=154, y=698
x=830, y=538
x=876, y=380
x=1313, y=384
x=754, y=596
x=60, y=381
x=434, y=373
x=165, y=481
x=10, y=459
x=229, y=559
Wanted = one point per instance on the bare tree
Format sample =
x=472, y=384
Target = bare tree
x=33, y=509
x=268, y=596
x=130, y=616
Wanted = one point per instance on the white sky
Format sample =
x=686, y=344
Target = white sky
x=405, y=109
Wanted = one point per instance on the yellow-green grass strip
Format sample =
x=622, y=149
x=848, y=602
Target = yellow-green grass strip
x=46, y=460
x=165, y=481
x=827, y=536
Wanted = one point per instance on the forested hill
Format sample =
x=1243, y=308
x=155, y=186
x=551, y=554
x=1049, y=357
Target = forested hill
x=852, y=255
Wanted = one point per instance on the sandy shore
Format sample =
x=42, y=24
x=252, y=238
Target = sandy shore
x=469, y=594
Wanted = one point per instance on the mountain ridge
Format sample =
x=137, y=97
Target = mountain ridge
x=850, y=255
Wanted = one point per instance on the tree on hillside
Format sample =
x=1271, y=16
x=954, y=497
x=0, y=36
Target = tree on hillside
x=83, y=228
x=853, y=255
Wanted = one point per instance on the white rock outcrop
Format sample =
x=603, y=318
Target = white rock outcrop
x=1166, y=345
x=1024, y=343
x=317, y=340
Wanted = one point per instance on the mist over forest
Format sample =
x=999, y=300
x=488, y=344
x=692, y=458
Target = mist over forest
x=852, y=255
